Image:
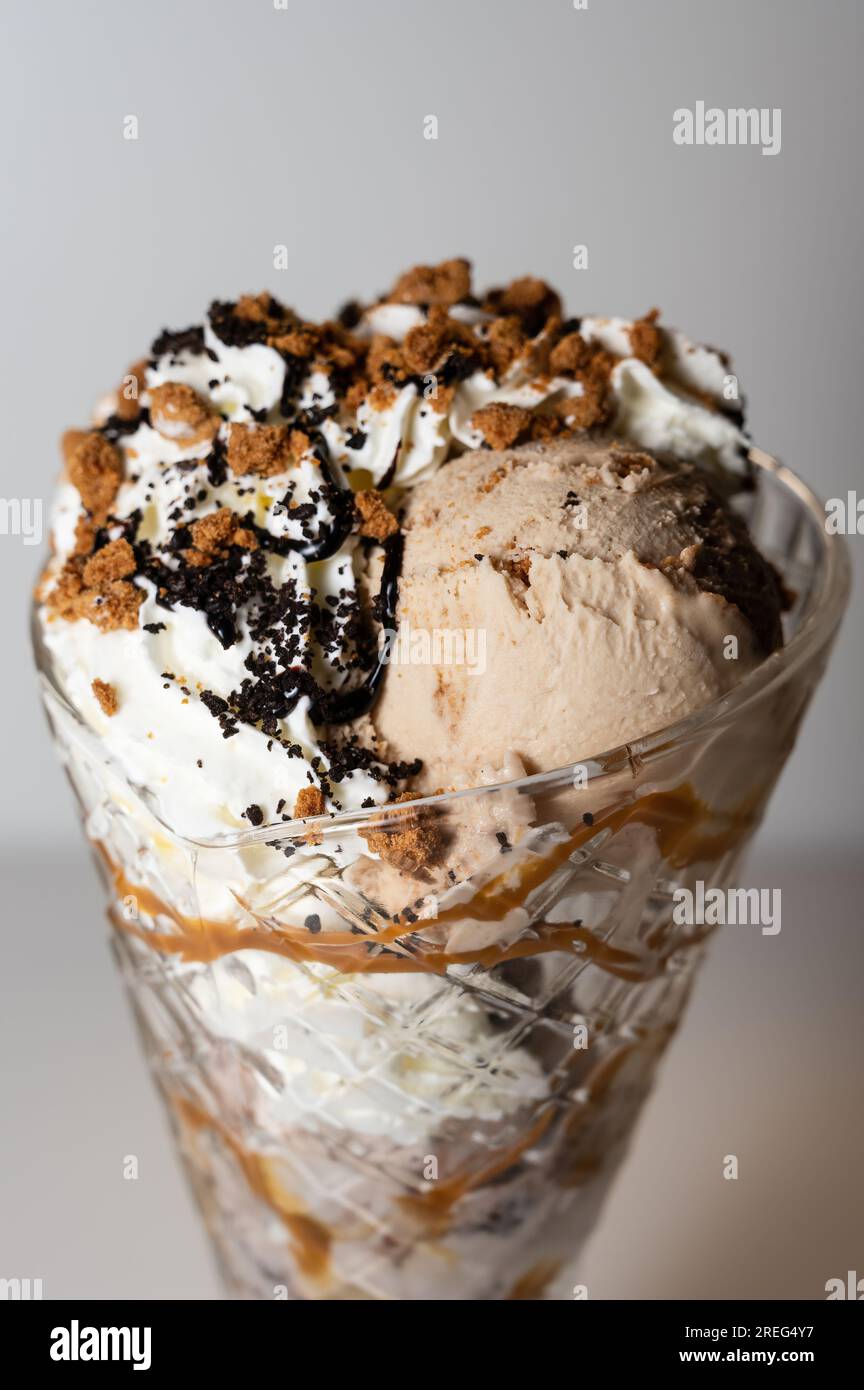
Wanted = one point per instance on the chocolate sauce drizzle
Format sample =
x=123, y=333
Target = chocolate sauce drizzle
x=239, y=579
x=115, y=427
x=343, y=706
x=332, y=534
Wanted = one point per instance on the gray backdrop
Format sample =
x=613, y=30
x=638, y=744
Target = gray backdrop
x=304, y=127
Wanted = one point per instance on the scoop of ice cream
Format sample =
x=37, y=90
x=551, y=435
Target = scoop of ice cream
x=557, y=600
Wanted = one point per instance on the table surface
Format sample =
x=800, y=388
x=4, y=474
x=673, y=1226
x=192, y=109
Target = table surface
x=766, y=1066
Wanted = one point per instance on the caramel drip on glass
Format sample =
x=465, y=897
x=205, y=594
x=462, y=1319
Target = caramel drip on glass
x=434, y=1204
x=678, y=816
x=310, y=1239
x=535, y=1281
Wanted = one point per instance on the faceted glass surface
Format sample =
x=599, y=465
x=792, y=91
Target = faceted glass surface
x=391, y=1085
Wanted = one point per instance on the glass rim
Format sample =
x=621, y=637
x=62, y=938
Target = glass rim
x=819, y=624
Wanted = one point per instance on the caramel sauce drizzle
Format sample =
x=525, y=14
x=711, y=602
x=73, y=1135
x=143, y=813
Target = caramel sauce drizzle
x=434, y=1204
x=535, y=1281
x=310, y=1239
x=432, y=1207
x=677, y=816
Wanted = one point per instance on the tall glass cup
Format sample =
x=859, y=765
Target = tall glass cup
x=391, y=1081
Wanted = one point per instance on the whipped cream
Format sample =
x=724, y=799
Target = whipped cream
x=393, y=437
x=692, y=411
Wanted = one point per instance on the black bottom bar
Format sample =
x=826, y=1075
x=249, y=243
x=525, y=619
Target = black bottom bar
x=253, y=1339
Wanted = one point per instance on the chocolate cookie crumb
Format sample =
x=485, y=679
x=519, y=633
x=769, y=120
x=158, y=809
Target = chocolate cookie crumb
x=427, y=347
x=446, y=283
x=409, y=840
x=530, y=299
x=591, y=408
x=309, y=802
x=106, y=695
x=500, y=424
x=69, y=441
x=114, y=608
x=646, y=339
x=114, y=561
x=85, y=536
x=213, y=531
x=89, y=589
x=377, y=522
x=95, y=467
x=178, y=340
x=180, y=414
x=568, y=355
x=264, y=449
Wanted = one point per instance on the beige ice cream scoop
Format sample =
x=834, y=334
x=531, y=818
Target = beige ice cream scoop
x=559, y=599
